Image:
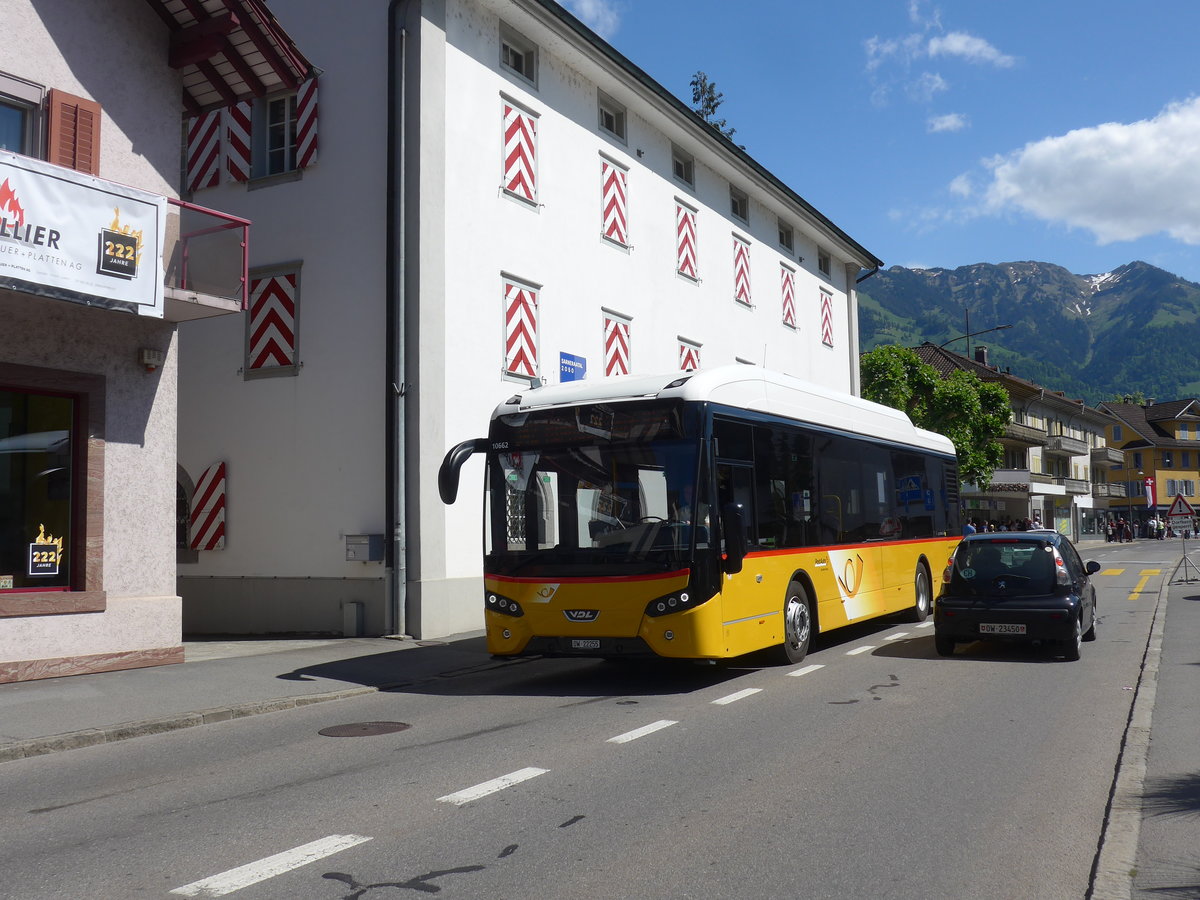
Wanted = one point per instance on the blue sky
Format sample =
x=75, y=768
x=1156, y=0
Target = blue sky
x=950, y=133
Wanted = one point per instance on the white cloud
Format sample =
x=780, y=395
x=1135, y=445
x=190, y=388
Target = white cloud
x=1119, y=181
x=968, y=47
x=926, y=86
x=602, y=16
x=962, y=186
x=948, y=122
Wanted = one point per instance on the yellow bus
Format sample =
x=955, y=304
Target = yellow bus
x=703, y=515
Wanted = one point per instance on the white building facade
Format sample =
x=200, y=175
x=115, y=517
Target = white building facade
x=496, y=198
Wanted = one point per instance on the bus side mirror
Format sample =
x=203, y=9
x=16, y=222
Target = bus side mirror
x=452, y=465
x=733, y=526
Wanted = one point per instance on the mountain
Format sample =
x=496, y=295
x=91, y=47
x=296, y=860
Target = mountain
x=1136, y=329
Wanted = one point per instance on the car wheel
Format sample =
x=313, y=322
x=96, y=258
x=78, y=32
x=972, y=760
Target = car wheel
x=924, y=595
x=797, y=625
x=1071, y=652
x=1090, y=634
x=943, y=644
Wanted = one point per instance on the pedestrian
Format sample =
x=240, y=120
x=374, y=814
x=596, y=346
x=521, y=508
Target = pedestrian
x=969, y=528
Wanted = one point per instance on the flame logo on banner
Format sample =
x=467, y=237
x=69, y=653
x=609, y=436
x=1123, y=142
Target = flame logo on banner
x=124, y=229
x=10, y=203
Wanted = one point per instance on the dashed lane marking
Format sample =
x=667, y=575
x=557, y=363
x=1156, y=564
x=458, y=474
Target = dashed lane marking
x=928, y=624
x=491, y=787
x=896, y=636
x=737, y=695
x=271, y=866
x=858, y=650
x=642, y=732
x=1113, y=572
x=806, y=670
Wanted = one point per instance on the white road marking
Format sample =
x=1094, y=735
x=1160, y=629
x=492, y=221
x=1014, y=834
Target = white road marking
x=739, y=695
x=641, y=732
x=490, y=787
x=807, y=669
x=896, y=636
x=858, y=650
x=928, y=624
x=271, y=866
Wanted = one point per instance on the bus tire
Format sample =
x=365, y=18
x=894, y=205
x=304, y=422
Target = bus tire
x=797, y=625
x=923, y=589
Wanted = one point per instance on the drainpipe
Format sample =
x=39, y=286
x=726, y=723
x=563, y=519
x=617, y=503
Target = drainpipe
x=396, y=386
x=852, y=322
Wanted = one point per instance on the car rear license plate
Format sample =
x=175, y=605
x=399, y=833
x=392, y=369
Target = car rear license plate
x=585, y=643
x=985, y=628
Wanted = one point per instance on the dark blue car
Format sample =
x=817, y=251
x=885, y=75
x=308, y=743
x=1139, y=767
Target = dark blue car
x=1016, y=586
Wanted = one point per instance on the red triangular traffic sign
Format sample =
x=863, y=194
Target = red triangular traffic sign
x=1180, y=507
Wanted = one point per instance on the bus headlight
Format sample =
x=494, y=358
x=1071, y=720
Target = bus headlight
x=677, y=601
x=498, y=603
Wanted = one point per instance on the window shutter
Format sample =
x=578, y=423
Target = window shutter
x=685, y=241
x=237, y=141
x=520, y=330
x=306, y=124
x=207, y=523
x=204, y=151
x=788, y=289
x=74, y=133
x=520, y=153
x=826, y=319
x=741, y=271
x=689, y=355
x=613, y=200
x=616, y=345
x=272, y=341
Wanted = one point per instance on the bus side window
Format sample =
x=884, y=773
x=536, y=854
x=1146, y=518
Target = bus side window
x=735, y=484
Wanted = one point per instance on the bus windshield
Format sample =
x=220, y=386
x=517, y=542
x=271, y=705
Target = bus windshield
x=599, y=502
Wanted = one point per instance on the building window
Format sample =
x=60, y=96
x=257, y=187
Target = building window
x=826, y=318
x=787, y=283
x=1137, y=460
x=272, y=333
x=1187, y=487
x=518, y=54
x=1168, y=459
x=739, y=204
x=1183, y=431
x=824, y=264
x=683, y=166
x=20, y=102
x=614, y=208
x=51, y=491
x=612, y=116
x=787, y=237
x=1185, y=461
x=1172, y=490
x=1116, y=433
x=741, y=271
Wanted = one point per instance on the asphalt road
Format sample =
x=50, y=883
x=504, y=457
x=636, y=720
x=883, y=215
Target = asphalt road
x=874, y=769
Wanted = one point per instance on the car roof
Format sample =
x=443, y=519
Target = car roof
x=1046, y=534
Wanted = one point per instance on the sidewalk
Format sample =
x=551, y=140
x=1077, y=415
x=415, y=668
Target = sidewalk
x=220, y=680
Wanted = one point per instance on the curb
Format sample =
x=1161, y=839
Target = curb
x=1116, y=858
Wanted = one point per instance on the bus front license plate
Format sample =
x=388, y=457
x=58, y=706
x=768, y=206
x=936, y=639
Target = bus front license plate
x=1001, y=629
x=585, y=644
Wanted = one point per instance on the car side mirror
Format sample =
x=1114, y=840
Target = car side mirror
x=1092, y=567
x=733, y=525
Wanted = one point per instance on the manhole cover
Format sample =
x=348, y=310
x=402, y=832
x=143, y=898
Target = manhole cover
x=363, y=729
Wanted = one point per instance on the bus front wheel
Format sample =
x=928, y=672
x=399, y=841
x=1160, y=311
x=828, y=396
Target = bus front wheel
x=797, y=625
x=919, y=611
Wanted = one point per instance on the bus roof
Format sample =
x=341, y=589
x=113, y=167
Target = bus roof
x=744, y=387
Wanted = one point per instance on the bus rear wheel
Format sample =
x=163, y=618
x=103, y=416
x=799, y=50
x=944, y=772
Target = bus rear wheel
x=797, y=625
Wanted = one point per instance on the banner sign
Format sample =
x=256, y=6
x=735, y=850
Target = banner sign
x=75, y=237
x=1151, y=500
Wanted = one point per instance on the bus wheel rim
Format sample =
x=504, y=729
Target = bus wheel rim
x=796, y=621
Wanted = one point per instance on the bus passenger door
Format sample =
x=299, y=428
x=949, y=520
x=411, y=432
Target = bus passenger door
x=743, y=596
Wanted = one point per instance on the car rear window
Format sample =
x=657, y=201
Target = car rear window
x=1017, y=568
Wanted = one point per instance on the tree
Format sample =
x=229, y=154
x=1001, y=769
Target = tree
x=705, y=101
x=969, y=412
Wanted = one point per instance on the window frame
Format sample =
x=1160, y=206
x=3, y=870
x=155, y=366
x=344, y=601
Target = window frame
x=29, y=98
x=786, y=230
x=680, y=158
x=739, y=199
x=825, y=263
x=260, y=132
x=618, y=112
x=523, y=47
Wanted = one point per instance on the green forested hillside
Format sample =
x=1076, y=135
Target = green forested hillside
x=1136, y=329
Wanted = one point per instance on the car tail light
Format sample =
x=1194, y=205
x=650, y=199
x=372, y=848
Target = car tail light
x=1061, y=576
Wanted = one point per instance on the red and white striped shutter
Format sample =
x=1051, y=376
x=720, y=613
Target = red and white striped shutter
x=787, y=280
x=826, y=319
x=272, y=342
x=520, y=153
x=615, y=219
x=306, y=124
x=237, y=141
x=520, y=330
x=204, y=151
x=616, y=345
x=689, y=356
x=206, y=527
x=741, y=271
x=685, y=241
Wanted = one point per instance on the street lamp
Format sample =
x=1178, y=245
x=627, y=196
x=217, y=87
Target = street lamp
x=1141, y=474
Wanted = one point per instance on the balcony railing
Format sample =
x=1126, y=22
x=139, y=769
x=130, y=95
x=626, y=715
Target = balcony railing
x=1107, y=456
x=1023, y=434
x=1073, y=485
x=1108, y=490
x=207, y=263
x=1065, y=445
